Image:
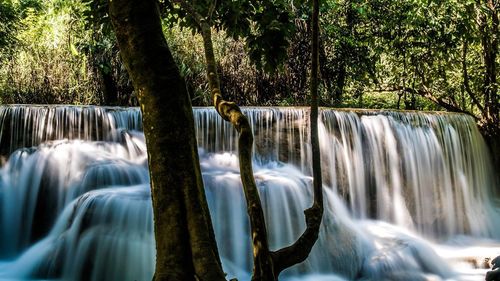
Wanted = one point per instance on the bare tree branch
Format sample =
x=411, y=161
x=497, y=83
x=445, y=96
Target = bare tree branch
x=299, y=251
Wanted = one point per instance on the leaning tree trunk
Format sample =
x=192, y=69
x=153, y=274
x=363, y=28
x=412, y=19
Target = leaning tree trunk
x=267, y=265
x=185, y=243
x=263, y=269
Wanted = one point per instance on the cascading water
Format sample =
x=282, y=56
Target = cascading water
x=407, y=194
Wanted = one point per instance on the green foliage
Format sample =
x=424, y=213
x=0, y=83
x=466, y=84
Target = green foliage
x=385, y=100
x=268, y=41
x=188, y=54
x=102, y=51
x=422, y=41
x=44, y=66
x=11, y=14
x=350, y=53
x=411, y=48
x=241, y=81
x=265, y=26
x=62, y=52
x=8, y=23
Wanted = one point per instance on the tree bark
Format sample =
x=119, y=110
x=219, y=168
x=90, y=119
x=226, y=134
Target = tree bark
x=316, y=154
x=266, y=265
x=185, y=242
x=493, y=275
x=299, y=251
x=263, y=268
x=110, y=91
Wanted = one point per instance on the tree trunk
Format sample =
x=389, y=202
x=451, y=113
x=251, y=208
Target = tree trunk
x=110, y=91
x=263, y=269
x=299, y=251
x=266, y=265
x=185, y=242
x=317, y=178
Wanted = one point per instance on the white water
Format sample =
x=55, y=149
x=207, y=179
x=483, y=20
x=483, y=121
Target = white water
x=407, y=195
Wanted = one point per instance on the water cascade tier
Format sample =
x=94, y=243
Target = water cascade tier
x=408, y=195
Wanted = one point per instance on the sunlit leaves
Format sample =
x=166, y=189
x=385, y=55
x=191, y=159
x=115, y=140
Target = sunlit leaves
x=8, y=23
x=52, y=59
x=12, y=13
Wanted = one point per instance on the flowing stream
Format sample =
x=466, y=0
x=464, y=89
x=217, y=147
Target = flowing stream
x=408, y=195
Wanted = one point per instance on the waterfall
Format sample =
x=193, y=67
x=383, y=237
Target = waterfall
x=408, y=195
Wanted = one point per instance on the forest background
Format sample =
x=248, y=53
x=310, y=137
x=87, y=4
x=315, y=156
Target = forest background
x=415, y=54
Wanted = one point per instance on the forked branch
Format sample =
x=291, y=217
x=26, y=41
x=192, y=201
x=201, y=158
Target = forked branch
x=267, y=265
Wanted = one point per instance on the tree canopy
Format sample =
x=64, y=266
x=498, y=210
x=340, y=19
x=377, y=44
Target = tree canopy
x=418, y=54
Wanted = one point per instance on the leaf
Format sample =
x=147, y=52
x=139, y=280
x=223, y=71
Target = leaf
x=73, y=50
